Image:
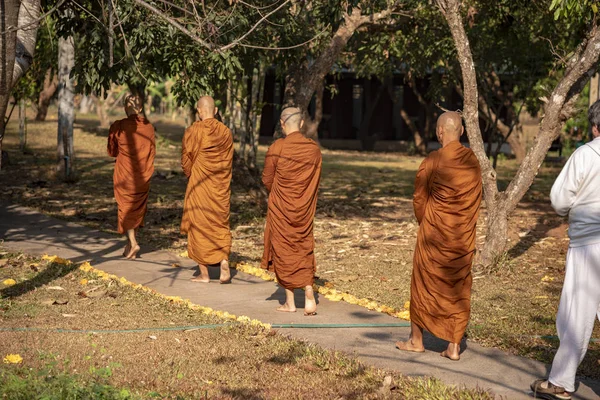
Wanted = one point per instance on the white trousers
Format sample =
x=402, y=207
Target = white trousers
x=579, y=306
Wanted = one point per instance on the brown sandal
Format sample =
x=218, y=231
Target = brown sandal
x=552, y=392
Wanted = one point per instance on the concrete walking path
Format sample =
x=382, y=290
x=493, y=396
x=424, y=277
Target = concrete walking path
x=505, y=375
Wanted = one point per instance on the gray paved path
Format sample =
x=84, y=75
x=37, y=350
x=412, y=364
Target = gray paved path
x=505, y=375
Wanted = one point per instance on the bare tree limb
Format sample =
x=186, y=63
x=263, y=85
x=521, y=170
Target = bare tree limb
x=260, y=21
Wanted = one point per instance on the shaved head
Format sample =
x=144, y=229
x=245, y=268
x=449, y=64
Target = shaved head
x=449, y=127
x=291, y=116
x=133, y=104
x=206, y=107
x=205, y=102
x=291, y=120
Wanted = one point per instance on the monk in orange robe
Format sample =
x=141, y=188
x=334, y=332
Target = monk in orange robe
x=206, y=159
x=291, y=175
x=446, y=203
x=131, y=141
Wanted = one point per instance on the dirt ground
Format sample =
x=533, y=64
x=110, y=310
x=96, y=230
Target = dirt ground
x=228, y=362
x=365, y=230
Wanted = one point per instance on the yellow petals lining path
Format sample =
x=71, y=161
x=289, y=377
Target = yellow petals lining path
x=87, y=267
x=331, y=294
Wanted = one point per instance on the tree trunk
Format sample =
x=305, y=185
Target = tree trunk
x=367, y=141
x=50, y=86
x=86, y=104
x=29, y=13
x=22, y=126
x=311, y=125
x=258, y=83
x=304, y=80
x=191, y=115
x=515, y=144
x=66, y=107
x=560, y=106
x=420, y=144
x=9, y=18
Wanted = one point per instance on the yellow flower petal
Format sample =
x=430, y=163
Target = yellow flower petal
x=13, y=359
x=9, y=282
x=83, y=281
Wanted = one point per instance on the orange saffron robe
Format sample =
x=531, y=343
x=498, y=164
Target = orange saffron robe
x=131, y=141
x=206, y=159
x=448, y=191
x=291, y=175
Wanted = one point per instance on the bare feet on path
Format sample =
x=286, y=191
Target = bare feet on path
x=286, y=308
x=203, y=277
x=449, y=355
x=133, y=252
x=452, y=352
x=310, y=304
x=225, y=272
x=409, y=346
x=127, y=250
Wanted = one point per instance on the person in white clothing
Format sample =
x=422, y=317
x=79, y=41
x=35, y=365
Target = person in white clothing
x=576, y=193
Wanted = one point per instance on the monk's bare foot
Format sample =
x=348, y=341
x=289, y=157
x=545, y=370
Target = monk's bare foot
x=310, y=305
x=133, y=252
x=409, y=346
x=450, y=356
x=452, y=352
x=286, y=308
x=225, y=273
x=204, y=277
x=127, y=250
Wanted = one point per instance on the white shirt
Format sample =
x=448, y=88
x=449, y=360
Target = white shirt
x=576, y=192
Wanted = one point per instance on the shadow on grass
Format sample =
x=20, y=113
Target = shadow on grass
x=243, y=393
x=54, y=271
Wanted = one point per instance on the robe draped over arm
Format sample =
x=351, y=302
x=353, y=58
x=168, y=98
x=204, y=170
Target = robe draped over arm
x=113, y=139
x=188, y=150
x=270, y=167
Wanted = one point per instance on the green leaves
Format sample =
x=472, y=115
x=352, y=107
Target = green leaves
x=574, y=8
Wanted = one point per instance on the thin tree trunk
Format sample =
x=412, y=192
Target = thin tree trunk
x=258, y=83
x=9, y=17
x=420, y=138
x=50, y=86
x=367, y=141
x=560, y=106
x=420, y=144
x=66, y=107
x=312, y=124
x=22, y=126
x=86, y=104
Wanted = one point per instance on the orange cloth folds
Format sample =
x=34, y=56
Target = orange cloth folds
x=447, y=198
x=131, y=141
x=291, y=174
x=206, y=159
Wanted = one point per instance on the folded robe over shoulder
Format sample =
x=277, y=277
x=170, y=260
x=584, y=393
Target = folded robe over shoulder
x=447, y=197
x=291, y=174
x=131, y=141
x=206, y=159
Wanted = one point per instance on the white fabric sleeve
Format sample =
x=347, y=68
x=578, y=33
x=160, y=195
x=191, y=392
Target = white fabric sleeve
x=565, y=188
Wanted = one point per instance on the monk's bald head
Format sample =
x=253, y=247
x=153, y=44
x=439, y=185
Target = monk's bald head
x=449, y=127
x=133, y=104
x=206, y=107
x=291, y=120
